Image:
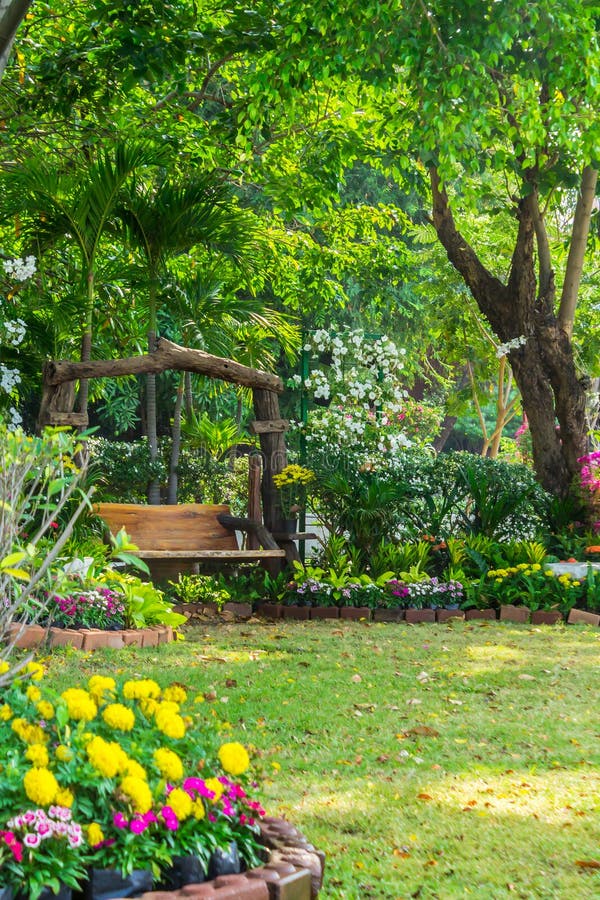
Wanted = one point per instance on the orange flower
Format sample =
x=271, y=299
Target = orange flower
x=594, y=549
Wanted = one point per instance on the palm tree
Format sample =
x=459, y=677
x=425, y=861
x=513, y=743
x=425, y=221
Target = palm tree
x=168, y=218
x=74, y=205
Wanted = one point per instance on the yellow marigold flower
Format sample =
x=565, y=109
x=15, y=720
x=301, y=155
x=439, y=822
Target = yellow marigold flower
x=31, y=734
x=141, y=690
x=80, y=704
x=170, y=723
x=99, y=685
x=536, y=567
x=63, y=753
x=95, y=835
x=180, y=803
x=45, y=709
x=214, y=785
x=5, y=712
x=168, y=764
x=198, y=810
x=138, y=792
x=576, y=584
x=102, y=756
x=149, y=707
x=35, y=670
x=33, y=693
x=549, y=573
x=132, y=767
x=168, y=706
x=4, y=667
x=118, y=716
x=176, y=693
x=234, y=758
x=37, y=754
x=65, y=797
x=40, y=786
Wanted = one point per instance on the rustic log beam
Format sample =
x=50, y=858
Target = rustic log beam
x=235, y=523
x=278, y=426
x=166, y=356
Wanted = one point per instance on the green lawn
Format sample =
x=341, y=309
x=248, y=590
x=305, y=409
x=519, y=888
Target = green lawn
x=428, y=761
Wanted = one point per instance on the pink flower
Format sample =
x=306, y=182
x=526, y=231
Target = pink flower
x=32, y=840
x=170, y=819
x=119, y=820
x=138, y=825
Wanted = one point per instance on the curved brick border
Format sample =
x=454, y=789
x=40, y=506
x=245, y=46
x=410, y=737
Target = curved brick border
x=32, y=636
x=294, y=872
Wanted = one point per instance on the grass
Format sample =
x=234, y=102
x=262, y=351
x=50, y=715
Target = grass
x=427, y=761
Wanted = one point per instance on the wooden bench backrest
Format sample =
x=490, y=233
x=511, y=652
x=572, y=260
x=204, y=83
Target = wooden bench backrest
x=187, y=526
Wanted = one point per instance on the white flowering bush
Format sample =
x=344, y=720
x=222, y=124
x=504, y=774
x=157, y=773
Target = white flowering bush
x=369, y=415
x=12, y=334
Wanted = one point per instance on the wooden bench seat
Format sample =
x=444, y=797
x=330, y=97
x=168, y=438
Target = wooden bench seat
x=169, y=537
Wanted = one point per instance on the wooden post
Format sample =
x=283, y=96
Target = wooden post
x=274, y=453
x=254, y=503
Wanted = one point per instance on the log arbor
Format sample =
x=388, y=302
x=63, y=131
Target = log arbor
x=58, y=393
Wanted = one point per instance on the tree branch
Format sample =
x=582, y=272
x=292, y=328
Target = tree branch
x=488, y=290
x=579, y=235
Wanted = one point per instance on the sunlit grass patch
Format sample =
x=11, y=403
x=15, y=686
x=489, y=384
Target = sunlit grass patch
x=430, y=761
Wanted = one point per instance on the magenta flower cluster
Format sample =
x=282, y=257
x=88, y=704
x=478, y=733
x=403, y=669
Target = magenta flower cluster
x=99, y=608
x=590, y=470
x=232, y=795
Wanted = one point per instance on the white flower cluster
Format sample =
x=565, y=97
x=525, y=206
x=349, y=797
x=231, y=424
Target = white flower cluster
x=14, y=331
x=9, y=378
x=20, y=269
x=360, y=371
x=504, y=349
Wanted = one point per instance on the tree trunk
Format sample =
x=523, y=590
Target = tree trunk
x=153, y=485
x=543, y=366
x=175, y=443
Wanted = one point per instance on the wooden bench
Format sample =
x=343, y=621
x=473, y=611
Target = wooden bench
x=178, y=538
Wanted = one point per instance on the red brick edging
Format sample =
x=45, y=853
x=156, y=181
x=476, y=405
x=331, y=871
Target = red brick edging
x=294, y=872
x=30, y=636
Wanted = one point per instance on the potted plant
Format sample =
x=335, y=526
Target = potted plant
x=291, y=483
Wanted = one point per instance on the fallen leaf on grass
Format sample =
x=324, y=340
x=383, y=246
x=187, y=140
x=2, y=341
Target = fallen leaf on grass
x=413, y=702
x=356, y=679
x=527, y=677
x=424, y=797
x=402, y=852
x=587, y=863
x=423, y=730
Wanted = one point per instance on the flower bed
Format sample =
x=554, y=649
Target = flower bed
x=116, y=775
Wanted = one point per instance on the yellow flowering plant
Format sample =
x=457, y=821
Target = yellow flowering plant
x=291, y=483
x=134, y=764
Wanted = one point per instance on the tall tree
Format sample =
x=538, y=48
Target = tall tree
x=497, y=104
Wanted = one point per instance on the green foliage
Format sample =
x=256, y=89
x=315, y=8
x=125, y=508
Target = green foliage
x=200, y=589
x=39, y=483
x=212, y=436
x=146, y=605
x=123, y=469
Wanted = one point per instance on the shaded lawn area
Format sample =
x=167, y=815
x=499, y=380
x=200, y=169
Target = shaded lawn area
x=428, y=761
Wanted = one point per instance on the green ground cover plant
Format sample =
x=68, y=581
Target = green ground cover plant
x=429, y=761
